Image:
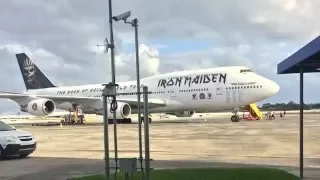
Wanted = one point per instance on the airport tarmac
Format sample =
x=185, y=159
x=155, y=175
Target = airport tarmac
x=76, y=150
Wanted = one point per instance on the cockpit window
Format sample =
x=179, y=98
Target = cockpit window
x=245, y=70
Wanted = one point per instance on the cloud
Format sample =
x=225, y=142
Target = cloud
x=62, y=37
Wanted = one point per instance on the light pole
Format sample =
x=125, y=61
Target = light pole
x=114, y=82
x=113, y=102
x=134, y=23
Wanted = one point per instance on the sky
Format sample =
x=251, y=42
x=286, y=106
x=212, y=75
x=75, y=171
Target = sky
x=61, y=37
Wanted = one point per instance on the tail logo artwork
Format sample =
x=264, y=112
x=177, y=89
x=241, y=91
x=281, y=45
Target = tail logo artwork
x=29, y=70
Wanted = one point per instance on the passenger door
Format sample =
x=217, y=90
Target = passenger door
x=220, y=91
x=172, y=94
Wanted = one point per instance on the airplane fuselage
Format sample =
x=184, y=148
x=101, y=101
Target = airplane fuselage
x=195, y=90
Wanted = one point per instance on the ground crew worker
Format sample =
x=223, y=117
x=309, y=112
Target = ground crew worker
x=80, y=114
x=76, y=115
x=269, y=115
x=272, y=115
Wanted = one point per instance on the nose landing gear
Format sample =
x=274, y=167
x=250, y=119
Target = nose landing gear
x=235, y=117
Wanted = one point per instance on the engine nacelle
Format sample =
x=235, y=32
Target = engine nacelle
x=40, y=107
x=183, y=113
x=123, y=111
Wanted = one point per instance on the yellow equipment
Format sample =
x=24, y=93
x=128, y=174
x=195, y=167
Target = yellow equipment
x=254, y=112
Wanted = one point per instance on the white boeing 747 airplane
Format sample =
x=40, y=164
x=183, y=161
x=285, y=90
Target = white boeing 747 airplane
x=180, y=93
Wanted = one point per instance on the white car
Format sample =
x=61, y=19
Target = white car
x=14, y=142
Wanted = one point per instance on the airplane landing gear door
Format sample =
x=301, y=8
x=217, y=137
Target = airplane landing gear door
x=219, y=91
x=235, y=95
x=242, y=91
x=171, y=95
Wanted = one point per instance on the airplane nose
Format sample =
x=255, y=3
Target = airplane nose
x=274, y=87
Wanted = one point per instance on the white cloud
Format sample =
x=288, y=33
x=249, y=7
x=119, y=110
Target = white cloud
x=61, y=37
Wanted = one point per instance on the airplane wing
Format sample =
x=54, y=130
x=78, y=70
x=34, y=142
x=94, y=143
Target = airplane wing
x=79, y=99
x=7, y=95
x=152, y=103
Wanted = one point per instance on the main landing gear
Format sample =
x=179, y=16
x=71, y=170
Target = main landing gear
x=142, y=119
x=120, y=121
x=127, y=120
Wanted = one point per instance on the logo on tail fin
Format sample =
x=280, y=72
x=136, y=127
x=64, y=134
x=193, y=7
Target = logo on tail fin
x=32, y=75
x=29, y=71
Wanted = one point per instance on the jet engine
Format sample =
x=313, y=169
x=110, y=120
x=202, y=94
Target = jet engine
x=183, y=113
x=123, y=110
x=39, y=107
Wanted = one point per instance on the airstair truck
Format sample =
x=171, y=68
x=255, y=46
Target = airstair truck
x=253, y=112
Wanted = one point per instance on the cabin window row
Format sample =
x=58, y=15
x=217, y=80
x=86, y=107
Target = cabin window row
x=194, y=90
x=162, y=92
x=244, y=87
x=245, y=70
x=135, y=93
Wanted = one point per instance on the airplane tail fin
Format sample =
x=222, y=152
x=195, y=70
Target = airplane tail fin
x=32, y=75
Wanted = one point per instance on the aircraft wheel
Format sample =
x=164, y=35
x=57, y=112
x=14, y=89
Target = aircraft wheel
x=127, y=120
x=142, y=120
x=235, y=118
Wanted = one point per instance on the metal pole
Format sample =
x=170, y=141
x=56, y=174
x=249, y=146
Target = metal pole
x=135, y=24
x=113, y=81
x=106, y=137
x=146, y=132
x=301, y=123
x=115, y=143
x=111, y=42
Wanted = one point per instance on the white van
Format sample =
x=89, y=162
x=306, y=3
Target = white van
x=14, y=142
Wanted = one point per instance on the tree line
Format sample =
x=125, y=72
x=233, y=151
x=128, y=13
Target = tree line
x=288, y=106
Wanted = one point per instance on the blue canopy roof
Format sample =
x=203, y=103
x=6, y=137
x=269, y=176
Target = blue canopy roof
x=308, y=57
